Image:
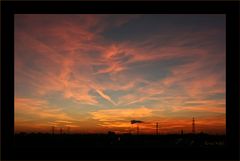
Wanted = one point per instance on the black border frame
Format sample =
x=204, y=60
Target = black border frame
x=230, y=9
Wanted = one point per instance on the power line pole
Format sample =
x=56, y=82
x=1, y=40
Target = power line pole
x=137, y=129
x=68, y=129
x=61, y=130
x=53, y=128
x=193, y=126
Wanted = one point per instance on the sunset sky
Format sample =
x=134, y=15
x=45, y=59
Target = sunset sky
x=95, y=73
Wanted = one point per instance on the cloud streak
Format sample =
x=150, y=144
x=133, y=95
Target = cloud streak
x=105, y=69
x=106, y=97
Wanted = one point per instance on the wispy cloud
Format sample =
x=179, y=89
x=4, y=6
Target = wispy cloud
x=121, y=114
x=74, y=57
x=38, y=108
x=103, y=95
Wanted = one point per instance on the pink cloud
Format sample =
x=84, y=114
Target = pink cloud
x=64, y=52
x=38, y=108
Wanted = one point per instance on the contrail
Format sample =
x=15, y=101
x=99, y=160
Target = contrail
x=105, y=96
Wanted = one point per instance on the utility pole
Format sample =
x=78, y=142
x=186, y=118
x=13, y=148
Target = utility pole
x=137, y=129
x=193, y=125
x=132, y=129
x=68, y=130
x=61, y=130
x=53, y=130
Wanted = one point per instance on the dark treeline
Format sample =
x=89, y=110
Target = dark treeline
x=118, y=140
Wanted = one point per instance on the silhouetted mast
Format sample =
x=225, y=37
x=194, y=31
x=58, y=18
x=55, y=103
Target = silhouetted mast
x=193, y=126
x=157, y=128
x=68, y=129
x=137, y=129
x=53, y=128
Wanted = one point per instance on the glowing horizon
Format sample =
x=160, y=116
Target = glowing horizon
x=95, y=73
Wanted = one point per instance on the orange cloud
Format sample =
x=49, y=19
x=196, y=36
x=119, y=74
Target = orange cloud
x=35, y=114
x=38, y=108
x=121, y=114
x=196, y=77
x=195, y=109
x=64, y=53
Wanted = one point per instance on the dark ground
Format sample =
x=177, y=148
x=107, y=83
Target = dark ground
x=115, y=140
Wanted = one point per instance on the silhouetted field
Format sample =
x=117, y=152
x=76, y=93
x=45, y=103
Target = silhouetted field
x=118, y=140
